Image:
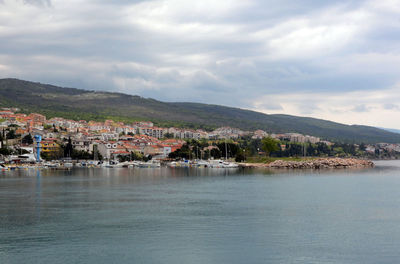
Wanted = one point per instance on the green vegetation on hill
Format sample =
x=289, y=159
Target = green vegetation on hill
x=90, y=105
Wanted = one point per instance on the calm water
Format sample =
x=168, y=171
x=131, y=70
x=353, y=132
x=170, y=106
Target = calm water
x=200, y=216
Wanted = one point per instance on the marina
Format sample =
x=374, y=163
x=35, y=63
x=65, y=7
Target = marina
x=114, y=164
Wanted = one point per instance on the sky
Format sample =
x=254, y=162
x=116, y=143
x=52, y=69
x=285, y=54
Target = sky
x=335, y=60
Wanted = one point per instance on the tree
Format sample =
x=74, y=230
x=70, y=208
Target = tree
x=27, y=139
x=377, y=152
x=362, y=147
x=5, y=151
x=136, y=155
x=68, y=148
x=240, y=156
x=81, y=154
x=215, y=153
x=20, y=152
x=168, y=135
x=295, y=149
x=206, y=154
x=11, y=134
x=231, y=149
x=270, y=145
x=1, y=140
x=185, y=152
x=52, y=155
x=123, y=158
x=322, y=148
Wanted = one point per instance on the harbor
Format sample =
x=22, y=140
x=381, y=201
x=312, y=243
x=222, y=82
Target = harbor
x=114, y=164
x=322, y=163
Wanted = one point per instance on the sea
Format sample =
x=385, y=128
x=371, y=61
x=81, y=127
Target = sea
x=186, y=215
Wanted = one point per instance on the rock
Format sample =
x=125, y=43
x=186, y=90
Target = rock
x=322, y=163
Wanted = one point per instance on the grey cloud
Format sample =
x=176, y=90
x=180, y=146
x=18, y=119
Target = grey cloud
x=391, y=107
x=212, y=59
x=270, y=106
x=361, y=108
x=38, y=2
x=308, y=108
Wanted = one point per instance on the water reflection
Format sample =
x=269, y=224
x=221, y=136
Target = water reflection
x=38, y=195
x=187, y=215
x=28, y=197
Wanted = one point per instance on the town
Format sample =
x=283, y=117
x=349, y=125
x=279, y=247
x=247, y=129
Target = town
x=63, y=139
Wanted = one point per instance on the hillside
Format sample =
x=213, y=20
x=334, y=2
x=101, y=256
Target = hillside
x=82, y=104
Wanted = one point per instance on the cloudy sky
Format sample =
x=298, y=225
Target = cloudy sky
x=337, y=60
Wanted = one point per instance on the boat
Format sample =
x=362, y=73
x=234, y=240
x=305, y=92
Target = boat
x=68, y=165
x=200, y=164
x=51, y=165
x=180, y=164
x=112, y=164
x=223, y=164
x=230, y=165
x=131, y=164
x=149, y=164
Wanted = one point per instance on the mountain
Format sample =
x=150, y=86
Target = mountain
x=94, y=105
x=397, y=131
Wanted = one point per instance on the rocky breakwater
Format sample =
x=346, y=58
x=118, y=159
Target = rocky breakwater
x=322, y=163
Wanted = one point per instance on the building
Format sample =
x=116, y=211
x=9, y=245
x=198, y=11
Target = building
x=81, y=145
x=49, y=145
x=156, y=132
x=259, y=134
x=37, y=118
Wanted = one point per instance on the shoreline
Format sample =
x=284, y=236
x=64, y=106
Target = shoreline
x=320, y=163
x=317, y=163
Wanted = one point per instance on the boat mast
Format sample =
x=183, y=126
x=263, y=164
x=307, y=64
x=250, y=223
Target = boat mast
x=226, y=151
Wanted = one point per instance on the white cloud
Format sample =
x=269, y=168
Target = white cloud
x=321, y=59
x=318, y=34
x=375, y=108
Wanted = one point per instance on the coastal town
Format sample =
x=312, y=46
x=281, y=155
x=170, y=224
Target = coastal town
x=199, y=132
x=62, y=139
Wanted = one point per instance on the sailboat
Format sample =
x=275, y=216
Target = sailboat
x=223, y=163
